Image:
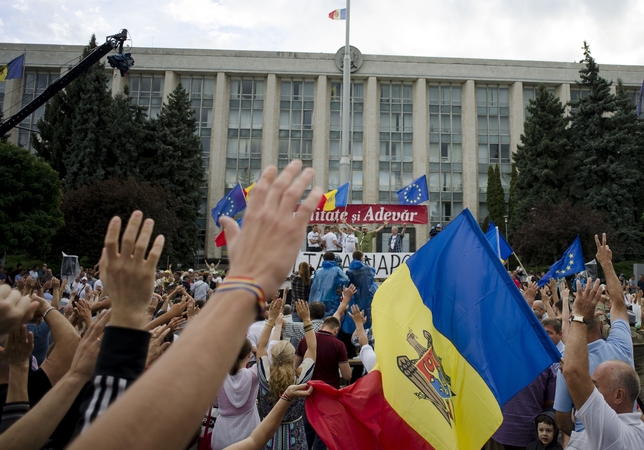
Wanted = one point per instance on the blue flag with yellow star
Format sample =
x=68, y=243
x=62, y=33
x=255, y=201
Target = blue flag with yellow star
x=230, y=205
x=571, y=262
x=414, y=193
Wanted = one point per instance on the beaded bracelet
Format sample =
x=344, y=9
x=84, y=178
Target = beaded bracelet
x=286, y=397
x=246, y=284
x=44, y=316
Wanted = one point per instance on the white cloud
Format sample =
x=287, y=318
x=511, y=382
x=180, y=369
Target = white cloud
x=551, y=30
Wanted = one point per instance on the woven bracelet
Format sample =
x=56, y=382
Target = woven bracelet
x=245, y=284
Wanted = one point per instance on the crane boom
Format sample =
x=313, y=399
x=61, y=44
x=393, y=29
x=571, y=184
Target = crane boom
x=122, y=61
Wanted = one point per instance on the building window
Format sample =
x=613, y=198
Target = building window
x=201, y=91
x=493, y=110
x=34, y=84
x=445, y=179
x=245, y=120
x=396, y=139
x=296, y=122
x=147, y=91
x=530, y=93
x=577, y=93
x=356, y=137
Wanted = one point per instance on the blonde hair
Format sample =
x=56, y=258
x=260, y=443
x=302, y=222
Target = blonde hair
x=282, y=373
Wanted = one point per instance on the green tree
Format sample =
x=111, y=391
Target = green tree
x=606, y=138
x=57, y=124
x=30, y=203
x=89, y=209
x=172, y=157
x=495, y=200
x=512, y=197
x=540, y=159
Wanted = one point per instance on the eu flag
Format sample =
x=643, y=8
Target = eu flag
x=447, y=360
x=230, y=205
x=498, y=242
x=414, y=193
x=571, y=262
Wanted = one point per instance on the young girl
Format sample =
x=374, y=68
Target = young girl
x=277, y=373
x=238, y=414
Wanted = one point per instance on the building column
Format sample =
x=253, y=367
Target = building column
x=470, y=149
x=218, y=142
x=563, y=93
x=271, y=121
x=421, y=145
x=170, y=82
x=12, y=104
x=321, y=132
x=371, y=144
x=119, y=82
x=517, y=116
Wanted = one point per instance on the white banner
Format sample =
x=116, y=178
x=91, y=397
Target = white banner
x=384, y=263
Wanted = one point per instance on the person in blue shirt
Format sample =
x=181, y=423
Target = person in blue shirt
x=327, y=284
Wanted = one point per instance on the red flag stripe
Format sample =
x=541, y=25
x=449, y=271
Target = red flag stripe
x=359, y=417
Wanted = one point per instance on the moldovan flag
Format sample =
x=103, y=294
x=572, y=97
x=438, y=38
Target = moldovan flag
x=454, y=341
x=13, y=69
x=220, y=239
x=338, y=14
x=335, y=198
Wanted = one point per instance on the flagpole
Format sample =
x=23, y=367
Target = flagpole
x=519, y=261
x=345, y=165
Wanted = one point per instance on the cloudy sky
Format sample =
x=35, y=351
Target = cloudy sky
x=548, y=30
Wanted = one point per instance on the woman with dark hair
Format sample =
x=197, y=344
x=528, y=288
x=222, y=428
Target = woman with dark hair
x=238, y=414
x=301, y=286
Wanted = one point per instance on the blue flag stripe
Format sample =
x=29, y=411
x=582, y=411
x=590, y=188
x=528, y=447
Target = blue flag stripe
x=476, y=305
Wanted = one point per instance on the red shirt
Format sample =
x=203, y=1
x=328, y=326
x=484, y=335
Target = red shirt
x=330, y=353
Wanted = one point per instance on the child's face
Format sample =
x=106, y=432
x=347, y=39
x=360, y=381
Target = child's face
x=546, y=433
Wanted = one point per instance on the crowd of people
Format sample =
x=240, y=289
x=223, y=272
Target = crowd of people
x=132, y=356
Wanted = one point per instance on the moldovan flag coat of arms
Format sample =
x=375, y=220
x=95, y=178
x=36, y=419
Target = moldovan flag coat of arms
x=454, y=341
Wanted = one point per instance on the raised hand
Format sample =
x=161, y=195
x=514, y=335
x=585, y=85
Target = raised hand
x=84, y=362
x=302, y=309
x=15, y=309
x=125, y=272
x=157, y=346
x=604, y=254
x=275, y=309
x=358, y=316
x=587, y=299
x=19, y=346
x=270, y=213
x=531, y=292
x=176, y=323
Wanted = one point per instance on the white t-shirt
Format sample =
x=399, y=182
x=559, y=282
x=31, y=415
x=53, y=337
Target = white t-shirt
x=328, y=241
x=605, y=429
x=350, y=243
x=313, y=236
x=368, y=357
x=200, y=289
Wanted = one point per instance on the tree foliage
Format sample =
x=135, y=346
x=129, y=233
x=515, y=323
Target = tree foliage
x=89, y=209
x=30, y=202
x=87, y=135
x=607, y=149
x=541, y=156
x=495, y=201
x=173, y=158
x=550, y=228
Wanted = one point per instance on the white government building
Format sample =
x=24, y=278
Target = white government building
x=449, y=118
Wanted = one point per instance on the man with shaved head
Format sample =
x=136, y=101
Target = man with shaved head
x=539, y=309
x=599, y=376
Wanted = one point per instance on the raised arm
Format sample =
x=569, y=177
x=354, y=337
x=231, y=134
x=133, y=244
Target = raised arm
x=33, y=430
x=274, y=310
x=605, y=256
x=17, y=353
x=347, y=293
x=65, y=337
x=267, y=427
x=382, y=227
x=344, y=221
x=565, y=311
x=402, y=233
x=220, y=328
x=367, y=355
x=531, y=293
x=15, y=308
x=303, y=311
x=575, y=370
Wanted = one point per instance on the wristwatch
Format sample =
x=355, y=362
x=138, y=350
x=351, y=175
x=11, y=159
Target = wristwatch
x=579, y=318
